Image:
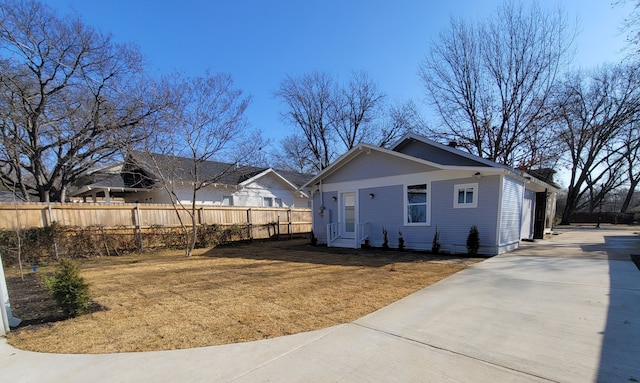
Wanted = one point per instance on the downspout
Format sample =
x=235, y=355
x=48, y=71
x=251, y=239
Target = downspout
x=321, y=199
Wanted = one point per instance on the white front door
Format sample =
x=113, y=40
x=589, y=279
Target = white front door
x=348, y=201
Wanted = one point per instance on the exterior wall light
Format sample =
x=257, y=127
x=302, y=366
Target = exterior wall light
x=371, y=195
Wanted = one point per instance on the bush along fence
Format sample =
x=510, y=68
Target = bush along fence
x=45, y=232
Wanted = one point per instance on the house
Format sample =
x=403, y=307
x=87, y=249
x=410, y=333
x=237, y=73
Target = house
x=419, y=186
x=153, y=178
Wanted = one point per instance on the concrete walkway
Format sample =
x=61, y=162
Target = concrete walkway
x=565, y=309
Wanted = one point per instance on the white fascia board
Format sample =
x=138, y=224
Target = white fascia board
x=254, y=178
x=264, y=173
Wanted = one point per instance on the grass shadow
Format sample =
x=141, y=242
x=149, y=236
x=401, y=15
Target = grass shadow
x=301, y=251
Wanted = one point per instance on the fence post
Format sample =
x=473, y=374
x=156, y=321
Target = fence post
x=50, y=215
x=249, y=225
x=137, y=231
x=289, y=215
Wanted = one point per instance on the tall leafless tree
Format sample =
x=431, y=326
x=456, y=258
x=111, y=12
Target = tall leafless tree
x=356, y=108
x=293, y=154
x=594, y=111
x=331, y=117
x=631, y=160
x=69, y=99
x=490, y=82
x=400, y=119
x=308, y=100
x=631, y=26
x=205, y=122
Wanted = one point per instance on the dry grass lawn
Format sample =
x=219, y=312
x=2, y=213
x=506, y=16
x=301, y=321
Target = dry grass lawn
x=245, y=292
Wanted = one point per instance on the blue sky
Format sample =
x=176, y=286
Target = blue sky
x=260, y=42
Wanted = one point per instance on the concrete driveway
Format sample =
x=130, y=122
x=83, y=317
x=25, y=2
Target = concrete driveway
x=566, y=309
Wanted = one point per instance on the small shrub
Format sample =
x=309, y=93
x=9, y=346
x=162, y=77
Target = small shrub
x=385, y=236
x=314, y=240
x=400, y=241
x=473, y=241
x=69, y=289
x=435, y=244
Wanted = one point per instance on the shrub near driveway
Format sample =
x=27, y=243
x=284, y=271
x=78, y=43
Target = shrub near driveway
x=229, y=294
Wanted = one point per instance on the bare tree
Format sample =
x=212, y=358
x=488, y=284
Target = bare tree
x=400, y=119
x=69, y=99
x=331, y=117
x=631, y=160
x=309, y=108
x=205, y=123
x=631, y=26
x=356, y=107
x=490, y=82
x=293, y=154
x=593, y=111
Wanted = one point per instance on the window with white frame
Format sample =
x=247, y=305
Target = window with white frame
x=417, y=207
x=227, y=200
x=465, y=196
x=267, y=202
x=277, y=202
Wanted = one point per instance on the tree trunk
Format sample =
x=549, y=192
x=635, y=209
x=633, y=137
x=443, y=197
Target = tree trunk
x=629, y=196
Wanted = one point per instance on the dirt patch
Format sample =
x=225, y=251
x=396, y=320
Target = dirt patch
x=245, y=292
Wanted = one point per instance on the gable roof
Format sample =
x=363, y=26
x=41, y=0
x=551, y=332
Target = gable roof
x=472, y=163
x=471, y=160
x=155, y=166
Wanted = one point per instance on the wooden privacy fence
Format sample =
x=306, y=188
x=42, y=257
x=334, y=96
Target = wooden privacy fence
x=260, y=222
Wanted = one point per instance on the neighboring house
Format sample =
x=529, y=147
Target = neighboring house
x=420, y=186
x=147, y=178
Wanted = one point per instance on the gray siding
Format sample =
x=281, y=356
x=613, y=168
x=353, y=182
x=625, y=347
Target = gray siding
x=386, y=210
x=434, y=154
x=325, y=211
x=374, y=165
x=511, y=214
x=454, y=224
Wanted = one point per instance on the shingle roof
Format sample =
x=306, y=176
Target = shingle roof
x=157, y=166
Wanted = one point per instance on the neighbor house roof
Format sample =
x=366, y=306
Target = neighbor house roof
x=141, y=171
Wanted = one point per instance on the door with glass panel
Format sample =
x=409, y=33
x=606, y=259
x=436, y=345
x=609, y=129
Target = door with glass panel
x=348, y=201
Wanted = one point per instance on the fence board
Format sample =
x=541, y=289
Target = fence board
x=31, y=215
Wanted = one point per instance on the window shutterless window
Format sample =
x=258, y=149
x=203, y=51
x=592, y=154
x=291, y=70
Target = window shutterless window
x=465, y=196
x=416, y=202
x=267, y=202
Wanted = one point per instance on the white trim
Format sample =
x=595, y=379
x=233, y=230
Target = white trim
x=427, y=203
x=366, y=149
x=264, y=173
x=456, y=191
x=341, y=213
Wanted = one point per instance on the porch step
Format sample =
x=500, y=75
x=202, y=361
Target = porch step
x=344, y=242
